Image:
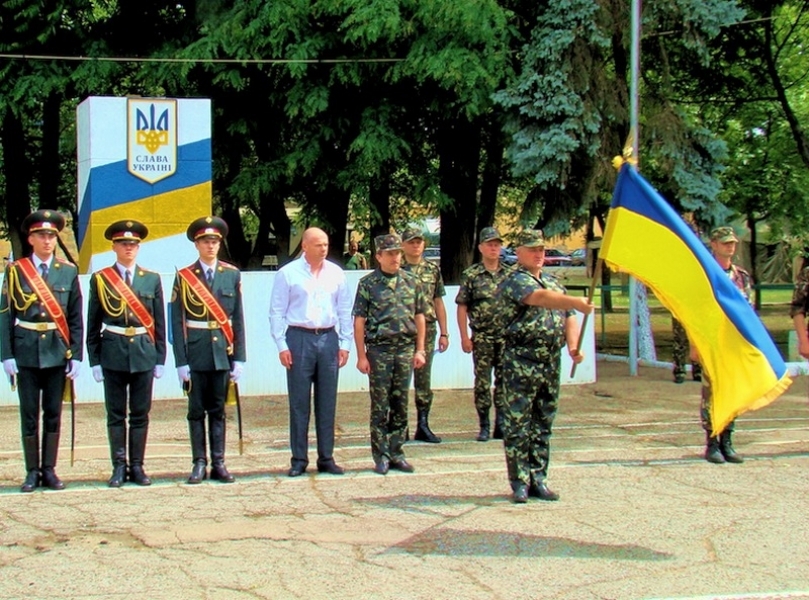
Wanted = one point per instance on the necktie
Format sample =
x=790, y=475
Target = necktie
x=43, y=267
x=209, y=277
x=127, y=278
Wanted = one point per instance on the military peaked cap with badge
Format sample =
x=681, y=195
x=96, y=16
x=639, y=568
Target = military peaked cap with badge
x=531, y=238
x=128, y=230
x=390, y=241
x=724, y=234
x=207, y=226
x=487, y=234
x=412, y=233
x=43, y=220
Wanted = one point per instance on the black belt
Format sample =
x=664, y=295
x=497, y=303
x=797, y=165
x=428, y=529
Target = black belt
x=316, y=331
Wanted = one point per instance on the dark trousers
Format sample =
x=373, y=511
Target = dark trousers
x=422, y=379
x=207, y=395
x=40, y=388
x=137, y=387
x=389, y=380
x=315, y=365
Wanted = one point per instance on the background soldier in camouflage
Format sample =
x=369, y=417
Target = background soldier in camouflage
x=538, y=319
x=433, y=288
x=477, y=304
x=389, y=335
x=798, y=308
x=680, y=353
x=719, y=449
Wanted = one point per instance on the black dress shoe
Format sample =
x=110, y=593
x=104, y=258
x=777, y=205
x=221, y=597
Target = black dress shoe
x=520, y=494
x=330, y=467
x=543, y=492
x=296, y=471
x=382, y=466
x=221, y=474
x=118, y=476
x=31, y=481
x=198, y=473
x=402, y=465
x=51, y=480
x=138, y=475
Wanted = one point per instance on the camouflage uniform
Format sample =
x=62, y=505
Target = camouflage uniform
x=478, y=291
x=720, y=449
x=680, y=352
x=533, y=340
x=389, y=305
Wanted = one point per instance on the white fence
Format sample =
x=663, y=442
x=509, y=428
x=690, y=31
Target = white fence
x=264, y=375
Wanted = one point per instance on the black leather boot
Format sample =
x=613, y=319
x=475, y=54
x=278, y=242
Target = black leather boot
x=216, y=431
x=137, y=450
x=117, y=437
x=726, y=448
x=423, y=433
x=712, y=452
x=50, y=450
x=498, y=424
x=483, y=418
x=30, y=448
x=197, y=432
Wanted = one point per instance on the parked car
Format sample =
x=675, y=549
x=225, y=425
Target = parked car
x=556, y=258
x=507, y=256
x=578, y=257
x=433, y=254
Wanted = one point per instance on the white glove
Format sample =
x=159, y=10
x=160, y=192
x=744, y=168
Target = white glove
x=72, y=369
x=238, y=367
x=158, y=371
x=10, y=366
x=98, y=374
x=183, y=373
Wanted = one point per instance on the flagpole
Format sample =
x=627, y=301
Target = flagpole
x=633, y=132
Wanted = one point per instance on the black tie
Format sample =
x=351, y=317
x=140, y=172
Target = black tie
x=127, y=278
x=43, y=267
x=209, y=277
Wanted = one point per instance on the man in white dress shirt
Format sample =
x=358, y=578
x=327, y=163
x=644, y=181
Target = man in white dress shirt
x=310, y=320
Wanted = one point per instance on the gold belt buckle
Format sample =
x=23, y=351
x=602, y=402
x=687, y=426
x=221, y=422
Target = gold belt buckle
x=129, y=331
x=42, y=326
x=213, y=325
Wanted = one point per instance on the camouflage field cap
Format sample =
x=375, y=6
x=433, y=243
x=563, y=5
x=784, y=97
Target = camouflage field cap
x=391, y=241
x=531, y=238
x=724, y=234
x=411, y=233
x=487, y=234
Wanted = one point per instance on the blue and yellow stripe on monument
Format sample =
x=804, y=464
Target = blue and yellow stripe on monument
x=166, y=206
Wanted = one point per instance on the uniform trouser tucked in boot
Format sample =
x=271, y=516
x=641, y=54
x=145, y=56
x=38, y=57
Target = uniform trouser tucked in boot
x=216, y=432
x=132, y=392
x=50, y=450
x=41, y=389
x=30, y=447
x=531, y=398
x=117, y=438
x=206, y=397
x=137, y=450
x=422, y=381
x=389, y=382
x=487, y=357
x=717, y=449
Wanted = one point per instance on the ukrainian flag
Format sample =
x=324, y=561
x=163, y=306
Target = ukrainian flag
x=646, y=238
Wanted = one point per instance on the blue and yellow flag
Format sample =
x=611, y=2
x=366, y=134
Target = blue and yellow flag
x=646, y=238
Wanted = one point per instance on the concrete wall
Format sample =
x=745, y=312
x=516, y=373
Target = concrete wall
x=263, y=374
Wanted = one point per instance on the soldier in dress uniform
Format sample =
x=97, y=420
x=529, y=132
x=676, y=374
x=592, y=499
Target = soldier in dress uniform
x=478, y=310
x=41, y=333
x=126, y=344
x=389, y=334
x=538, y=320
x=207, y=322
x=435, y=319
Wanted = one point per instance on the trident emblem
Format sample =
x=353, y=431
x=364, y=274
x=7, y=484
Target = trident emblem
x=150, y=133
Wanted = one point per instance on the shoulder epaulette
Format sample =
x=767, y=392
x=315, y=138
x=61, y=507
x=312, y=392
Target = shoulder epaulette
x=225, y=265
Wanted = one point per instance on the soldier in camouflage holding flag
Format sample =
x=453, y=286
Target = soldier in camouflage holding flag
x=389, y=335
x=538, y=318
x=478, y=310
